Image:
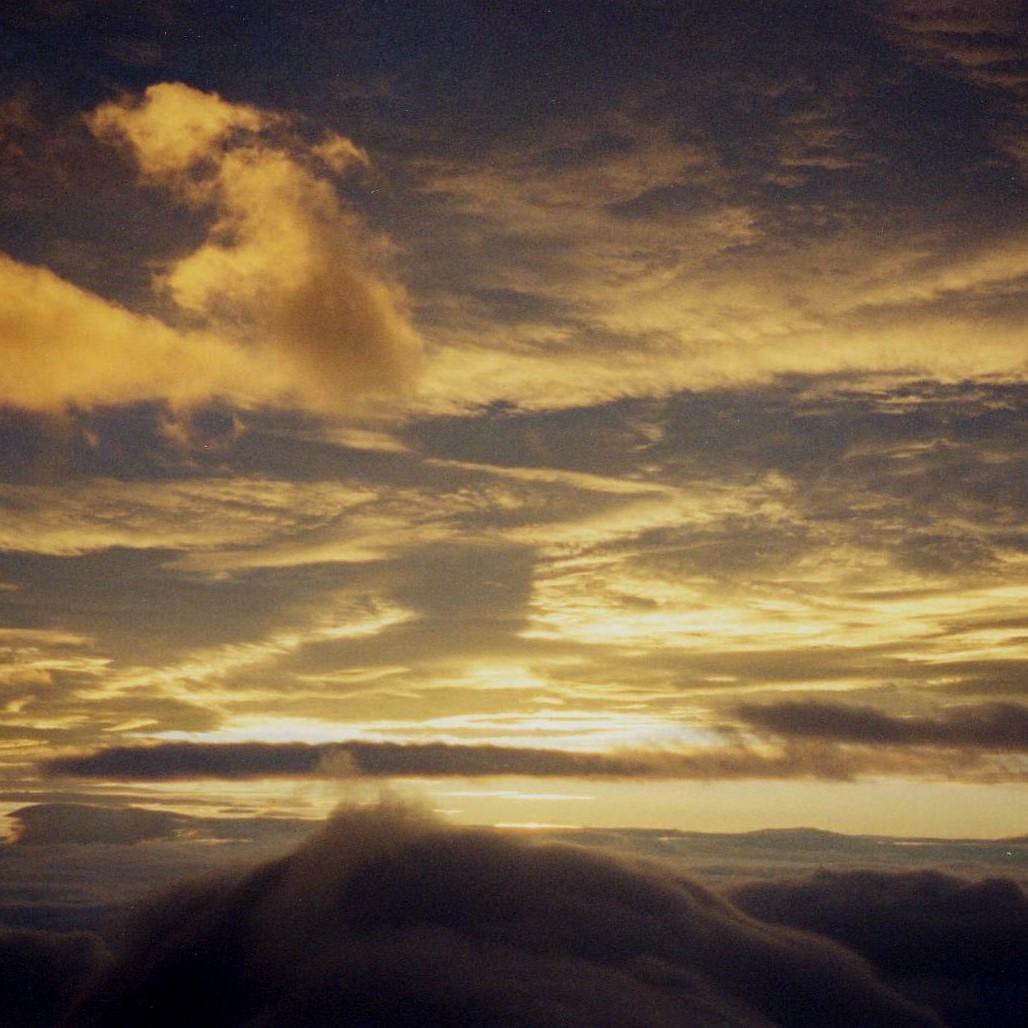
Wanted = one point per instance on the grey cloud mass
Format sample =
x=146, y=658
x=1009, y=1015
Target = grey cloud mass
x=45, y=823
x=402, y=897
x=986, y=726
x=957, y=945
x=417, y=924
x=171, y=761
x=41, y=973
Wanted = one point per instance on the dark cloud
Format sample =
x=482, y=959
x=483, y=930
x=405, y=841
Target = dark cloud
x=725, y=860
x=45, y=823
x=74, y=878
x=73, y=886
x=41, y=972
x=985, y=726
x=117, y=822
x=253, y=759
x=186, y=760
x=414, y=923
x=468, y=927
x=140, y=611
x=904, y=448
x=957, y=945
x=248, y=760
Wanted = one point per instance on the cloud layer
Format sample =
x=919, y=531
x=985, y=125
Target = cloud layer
x=985, y=726
x=420, y=923
x=956, y=945
x=43, y=972
x=417, y=924
x=171, y=761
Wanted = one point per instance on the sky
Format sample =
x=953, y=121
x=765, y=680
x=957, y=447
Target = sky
x=575, y=413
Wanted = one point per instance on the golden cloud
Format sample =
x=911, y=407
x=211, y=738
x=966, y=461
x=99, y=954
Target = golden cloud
x=203, y=515
x=288, y=299
x=65, y=345
x=660, y=281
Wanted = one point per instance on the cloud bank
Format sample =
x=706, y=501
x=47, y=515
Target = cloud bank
x=986, y=726
x=288, y=298
x=420, y=924
x=250, y=760
x=956, y=945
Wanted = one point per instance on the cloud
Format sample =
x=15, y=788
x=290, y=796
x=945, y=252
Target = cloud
x=643, y=252
x=957, y=945
x=173, y=128
x=55, y=823
x=289, y=299
x=985, y=726
x=45, y=823
x=63, y=344
x=416, y=923
x=197, y=514
x=247, y=760
x=42, y=972
x=982, y=42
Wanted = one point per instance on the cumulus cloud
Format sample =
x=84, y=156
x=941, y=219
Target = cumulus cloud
x=416, y=924
x=173, y=127
x=958, y=945
x=986, y=726
x=288, y=299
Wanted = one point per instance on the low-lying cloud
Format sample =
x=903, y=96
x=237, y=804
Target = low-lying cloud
x=416, y=923
x=387, y=916
x=958, y=945
x=41, y=973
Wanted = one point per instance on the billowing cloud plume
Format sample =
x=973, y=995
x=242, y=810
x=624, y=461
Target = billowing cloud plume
x=418, y=924
x=986, y=726
x=288, y=299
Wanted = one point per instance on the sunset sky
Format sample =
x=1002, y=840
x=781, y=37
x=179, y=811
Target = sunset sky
x=575, y=413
